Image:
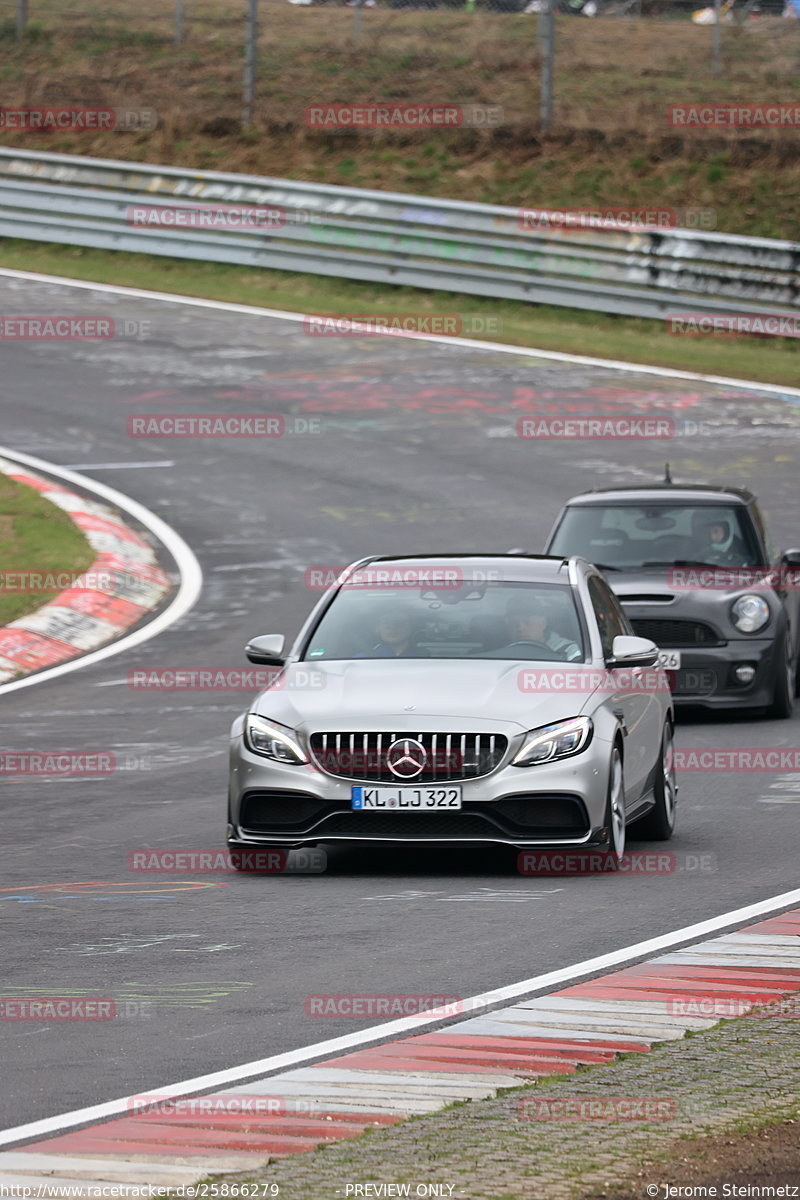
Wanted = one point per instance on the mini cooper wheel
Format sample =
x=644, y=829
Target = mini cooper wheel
x=783, y=697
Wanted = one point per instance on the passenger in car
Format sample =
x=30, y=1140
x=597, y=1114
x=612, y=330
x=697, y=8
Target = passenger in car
x=396, y=640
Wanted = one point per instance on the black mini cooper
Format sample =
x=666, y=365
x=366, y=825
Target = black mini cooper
x=696, y=573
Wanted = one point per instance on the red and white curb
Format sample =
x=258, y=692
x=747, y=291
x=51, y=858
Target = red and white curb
x=122, y=586
x=657, y=1000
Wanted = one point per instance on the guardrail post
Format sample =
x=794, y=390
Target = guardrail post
x=250, y=55
x=357, y=21
x=717, y=38
x=22, y=18
x=548, y=39
x=178, y=22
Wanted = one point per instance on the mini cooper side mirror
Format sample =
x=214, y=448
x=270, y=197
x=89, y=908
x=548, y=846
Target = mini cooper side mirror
x=633, y=652
x=266, y=650
x=791, y=558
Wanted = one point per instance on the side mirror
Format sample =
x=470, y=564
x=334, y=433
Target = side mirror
x=266, y=650
x=633, y=652
x=791, y=558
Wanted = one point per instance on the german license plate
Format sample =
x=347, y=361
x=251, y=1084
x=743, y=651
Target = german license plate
x=402, y=798
x=670, y=660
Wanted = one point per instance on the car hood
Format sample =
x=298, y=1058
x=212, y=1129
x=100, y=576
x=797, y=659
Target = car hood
x=422, y=695
x=656, y=593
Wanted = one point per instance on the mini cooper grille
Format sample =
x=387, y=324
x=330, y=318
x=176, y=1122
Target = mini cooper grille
x=675, y=633
x=447, y=756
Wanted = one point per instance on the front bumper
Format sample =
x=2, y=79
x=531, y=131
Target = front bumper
x=523, y=807
x=706, y=676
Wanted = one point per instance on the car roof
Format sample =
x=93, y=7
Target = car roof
x=664, y=493
x=536, y=568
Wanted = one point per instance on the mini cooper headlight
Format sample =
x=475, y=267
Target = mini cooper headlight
x=750, y=613
x=560, y=740
x=272, y=740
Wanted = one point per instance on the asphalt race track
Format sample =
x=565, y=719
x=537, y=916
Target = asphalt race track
x=416, y=451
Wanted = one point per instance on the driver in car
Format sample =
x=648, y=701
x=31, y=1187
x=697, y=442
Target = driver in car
x=526, y=617
x=723, y=548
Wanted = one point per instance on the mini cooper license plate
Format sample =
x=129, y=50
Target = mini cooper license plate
x=669, y=660
x=411, y=798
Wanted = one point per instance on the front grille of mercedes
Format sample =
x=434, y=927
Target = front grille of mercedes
x=449, y=756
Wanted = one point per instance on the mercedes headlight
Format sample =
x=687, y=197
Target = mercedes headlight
x=750, y=613
x=272, y=740
x=560, y=740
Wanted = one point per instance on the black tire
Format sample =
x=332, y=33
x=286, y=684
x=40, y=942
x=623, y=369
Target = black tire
x=782, y=705
x=615, y=809
x=659, y=824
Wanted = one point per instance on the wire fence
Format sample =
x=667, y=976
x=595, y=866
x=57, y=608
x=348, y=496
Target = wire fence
x=284, y=63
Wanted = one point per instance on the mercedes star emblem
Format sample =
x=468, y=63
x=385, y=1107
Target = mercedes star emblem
x=406, y=758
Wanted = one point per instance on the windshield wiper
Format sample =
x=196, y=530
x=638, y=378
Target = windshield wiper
x=606, y=567
x=681, y=562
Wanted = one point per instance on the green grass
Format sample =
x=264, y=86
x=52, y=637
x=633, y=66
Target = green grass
x=35, y=536
x=610, y=143
x=774, y=360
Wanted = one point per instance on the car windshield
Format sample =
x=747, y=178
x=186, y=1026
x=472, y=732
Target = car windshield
x=632, y=536
x=483, y=620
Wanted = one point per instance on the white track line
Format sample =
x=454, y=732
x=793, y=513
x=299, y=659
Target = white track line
x=293, y=1058
x=472, y=344
x=191, y=576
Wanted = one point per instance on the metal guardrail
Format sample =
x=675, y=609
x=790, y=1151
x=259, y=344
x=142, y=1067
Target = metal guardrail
x=386, y=237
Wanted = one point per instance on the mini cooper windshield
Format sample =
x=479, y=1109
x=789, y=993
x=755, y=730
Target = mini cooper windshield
x=488, y=619
x=630, y=536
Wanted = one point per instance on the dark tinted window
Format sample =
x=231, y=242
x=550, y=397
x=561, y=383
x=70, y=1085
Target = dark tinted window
x=628, y=536
x=489, y=619
x=611, y=620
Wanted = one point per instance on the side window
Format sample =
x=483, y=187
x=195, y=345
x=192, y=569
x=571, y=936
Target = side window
x=764, y=533
x=624, y=626
x=611, y=621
